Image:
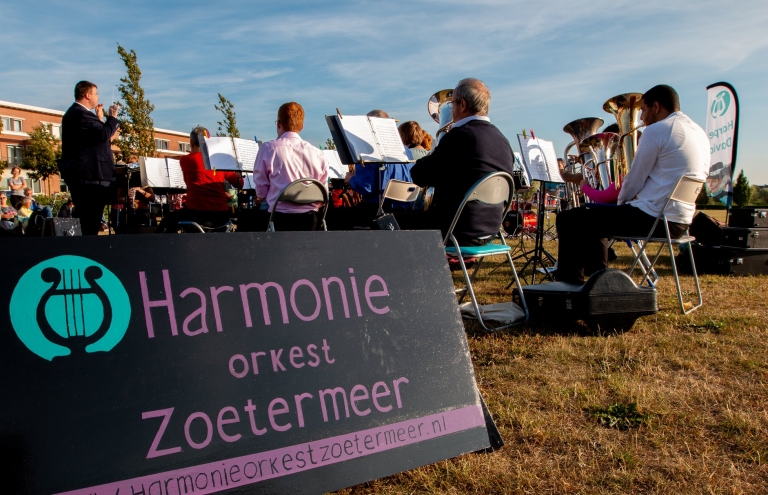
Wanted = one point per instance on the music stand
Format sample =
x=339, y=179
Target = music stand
x=541, y=164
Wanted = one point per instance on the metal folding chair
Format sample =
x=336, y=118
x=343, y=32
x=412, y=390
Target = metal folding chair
x=397, y=190
x=493, y=189
x=302, y=191
x=685, y=191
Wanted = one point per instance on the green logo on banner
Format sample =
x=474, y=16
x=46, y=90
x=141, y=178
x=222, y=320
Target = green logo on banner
x=69, y=305
x=721, y=104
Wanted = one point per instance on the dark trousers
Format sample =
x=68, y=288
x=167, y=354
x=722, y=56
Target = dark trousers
x=89, y=200
x=582, y=234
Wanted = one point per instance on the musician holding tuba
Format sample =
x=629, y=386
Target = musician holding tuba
x=472, y=149
x=673, y=145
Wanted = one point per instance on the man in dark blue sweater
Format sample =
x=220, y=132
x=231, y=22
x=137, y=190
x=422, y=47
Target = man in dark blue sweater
x=471, y=150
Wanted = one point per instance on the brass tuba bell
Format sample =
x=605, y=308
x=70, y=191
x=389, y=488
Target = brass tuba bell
x=579, y=130
x=626, y=109
x=440, y=109
x=602, y=146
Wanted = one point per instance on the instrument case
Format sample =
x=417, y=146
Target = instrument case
x=706, y=230
x=610, y=299
x=725, y=260
x=62, y=227
x=745, y=237
x=748, y=217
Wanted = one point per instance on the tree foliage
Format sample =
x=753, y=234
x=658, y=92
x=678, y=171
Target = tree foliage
x=741, y=191
x=227, y=127
x=137, y=129
x=329, y=144
x=41, y=154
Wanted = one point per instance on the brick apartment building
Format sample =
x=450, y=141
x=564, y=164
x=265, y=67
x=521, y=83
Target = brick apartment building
x=18, y=120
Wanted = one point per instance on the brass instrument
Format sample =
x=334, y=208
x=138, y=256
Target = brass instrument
x=579, y=130
x=440, y=109
x=602, y=146
x=626, y=109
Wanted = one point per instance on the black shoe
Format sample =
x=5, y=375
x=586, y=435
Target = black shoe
x=612, y=256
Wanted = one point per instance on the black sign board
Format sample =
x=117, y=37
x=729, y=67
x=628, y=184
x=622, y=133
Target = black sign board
x=260, y=363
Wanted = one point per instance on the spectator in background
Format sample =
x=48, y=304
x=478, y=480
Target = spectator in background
x=66, y=209
x=7, y=214
x=16, y=184
x=35, y=206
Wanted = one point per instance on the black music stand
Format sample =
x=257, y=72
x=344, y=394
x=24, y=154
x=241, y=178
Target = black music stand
x=538, y=255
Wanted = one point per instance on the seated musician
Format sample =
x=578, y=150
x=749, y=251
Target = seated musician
x=413, y=137
x=672, y=146
x=206, y=198
x=607, y=196
x=284, y=160
x=471, y=150
x=139, y=199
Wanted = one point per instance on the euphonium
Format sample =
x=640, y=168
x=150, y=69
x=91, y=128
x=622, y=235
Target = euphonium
x=626, y=109
x=440, y=109
x=602, y=146
x=579, y=130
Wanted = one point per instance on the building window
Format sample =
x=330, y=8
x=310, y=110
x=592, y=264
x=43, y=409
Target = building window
x=162, y=144
x=184, y=147
x=55, y=130
x=14, y=155
x=13, y=125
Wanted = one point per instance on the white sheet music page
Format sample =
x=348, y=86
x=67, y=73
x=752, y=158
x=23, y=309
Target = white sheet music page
x=336, y=170
x=248, y=182
x=390, y=143
x=154, y=172
x=175, y=175
x=247, y=149
x=360, y=138
x=540, y=159
x=220, y=154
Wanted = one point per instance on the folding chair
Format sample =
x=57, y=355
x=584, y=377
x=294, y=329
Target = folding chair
x=398, y=190
x=493, y=189
x=686, y=190
x=302, y=191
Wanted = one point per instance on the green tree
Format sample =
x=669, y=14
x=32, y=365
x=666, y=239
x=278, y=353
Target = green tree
x=703, y=198
x=741, y=191
x=329, y=144
x=227, y=127
x=759, y=195
x=137, y=130
x=41, y=153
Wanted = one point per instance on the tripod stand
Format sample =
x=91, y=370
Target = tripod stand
x=538, y=256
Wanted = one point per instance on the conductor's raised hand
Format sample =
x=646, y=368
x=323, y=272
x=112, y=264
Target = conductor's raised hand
x=113, y=110
x=100, y=111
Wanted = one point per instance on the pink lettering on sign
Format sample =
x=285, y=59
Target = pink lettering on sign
x=249, y=469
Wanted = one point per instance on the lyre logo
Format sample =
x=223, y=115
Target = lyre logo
x=721, y=104
x=69, y=305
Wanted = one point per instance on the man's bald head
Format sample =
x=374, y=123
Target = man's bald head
x=475, y=93
x=378, y=113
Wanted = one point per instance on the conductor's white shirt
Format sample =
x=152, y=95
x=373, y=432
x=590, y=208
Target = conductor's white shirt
x=668, y=150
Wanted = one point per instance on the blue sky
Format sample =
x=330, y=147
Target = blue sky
x=547, y=63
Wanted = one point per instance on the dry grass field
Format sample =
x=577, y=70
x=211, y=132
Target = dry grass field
x=699, y=382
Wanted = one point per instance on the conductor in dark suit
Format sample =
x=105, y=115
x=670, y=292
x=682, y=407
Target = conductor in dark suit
x=471, y=150
x=87, y=164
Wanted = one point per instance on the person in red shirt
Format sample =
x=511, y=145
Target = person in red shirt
x=206, y=201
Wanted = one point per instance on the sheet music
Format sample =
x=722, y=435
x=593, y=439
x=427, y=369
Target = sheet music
x=154, y=172
x=360, y=138
x=248, y=182
x=175, y=175
x=219, y=154
x=390, y=143
x=336, y=170
x=247, y=149
x=540, y=159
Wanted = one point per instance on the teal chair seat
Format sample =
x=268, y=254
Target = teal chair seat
x=487, y=250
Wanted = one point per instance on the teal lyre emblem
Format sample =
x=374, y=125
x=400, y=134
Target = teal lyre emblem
x=69, y=305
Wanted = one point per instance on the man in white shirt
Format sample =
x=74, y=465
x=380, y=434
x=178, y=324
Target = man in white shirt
x=672, y=146
x=284, y=160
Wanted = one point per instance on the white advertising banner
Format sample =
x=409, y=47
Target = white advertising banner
x=722, y=129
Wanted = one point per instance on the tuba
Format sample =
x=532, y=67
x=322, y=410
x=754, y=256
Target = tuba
x=579, y=130
x=440, y=109
x=626, y=109
x=602, y=147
